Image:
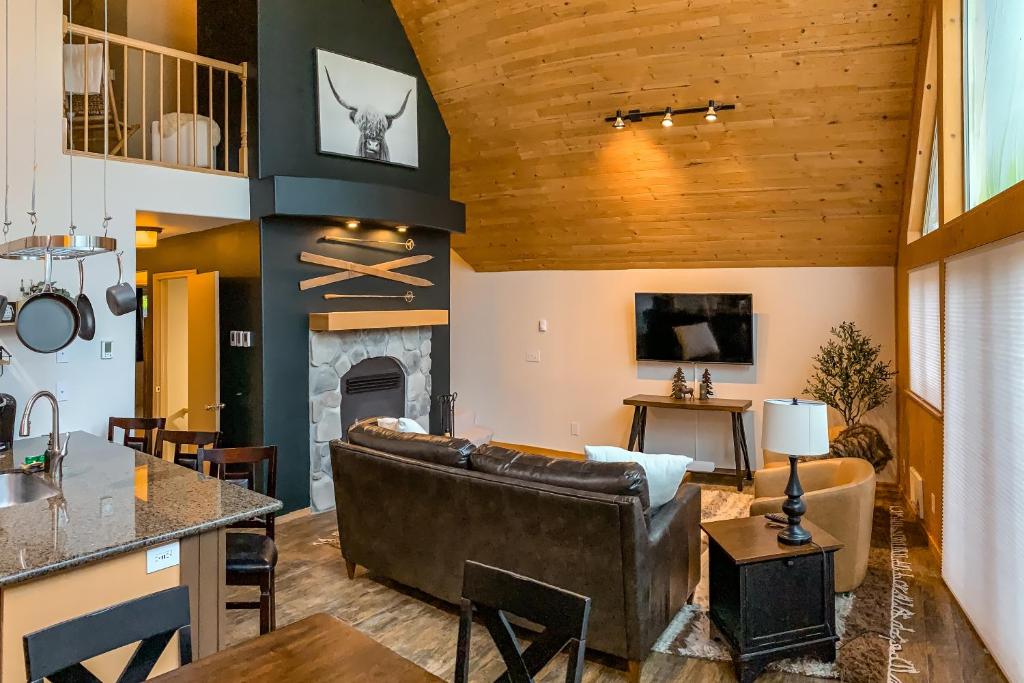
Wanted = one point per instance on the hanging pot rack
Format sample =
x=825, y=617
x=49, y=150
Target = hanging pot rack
x=61, y=247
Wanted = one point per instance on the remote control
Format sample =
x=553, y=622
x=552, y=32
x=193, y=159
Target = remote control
x=777, y=518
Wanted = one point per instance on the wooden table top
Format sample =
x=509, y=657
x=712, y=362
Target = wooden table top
x=318, y=648
x=723, y=405
x=750, y=539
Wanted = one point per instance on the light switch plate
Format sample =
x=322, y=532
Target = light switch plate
x=162, y=557
x=62, y=356
x=533, y=356
x=62, y=392
x=106, y=349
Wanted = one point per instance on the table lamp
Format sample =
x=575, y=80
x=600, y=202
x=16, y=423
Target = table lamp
x=798, y=429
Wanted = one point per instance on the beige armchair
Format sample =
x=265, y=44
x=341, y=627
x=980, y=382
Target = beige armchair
x=840, y=498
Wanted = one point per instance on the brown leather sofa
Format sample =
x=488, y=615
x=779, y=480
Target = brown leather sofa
x=414, y=508
x=840, y=498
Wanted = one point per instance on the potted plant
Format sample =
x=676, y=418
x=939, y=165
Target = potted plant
x=849, y=377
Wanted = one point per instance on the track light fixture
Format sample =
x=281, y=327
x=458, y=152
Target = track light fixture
x=712, y=113
x=667, y=114
x=352, y=224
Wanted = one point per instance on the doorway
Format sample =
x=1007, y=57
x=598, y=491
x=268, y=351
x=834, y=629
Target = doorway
x=184, y=365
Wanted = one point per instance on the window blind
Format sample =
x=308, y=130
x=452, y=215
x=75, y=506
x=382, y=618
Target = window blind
x=983, y=482
x=925, y=337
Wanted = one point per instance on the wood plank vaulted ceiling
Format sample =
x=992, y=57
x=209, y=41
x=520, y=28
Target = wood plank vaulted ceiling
x=808, y=170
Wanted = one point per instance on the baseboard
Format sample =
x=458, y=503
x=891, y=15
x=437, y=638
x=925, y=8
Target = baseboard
x=293, y=515
x=933, y=544
x=537, y=450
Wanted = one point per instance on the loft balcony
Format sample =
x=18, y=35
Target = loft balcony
x=150, y=104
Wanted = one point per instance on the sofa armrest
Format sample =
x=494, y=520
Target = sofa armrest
x=674, y=537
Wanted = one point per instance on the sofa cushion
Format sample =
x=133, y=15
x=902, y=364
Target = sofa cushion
x=440, y=450
x=664, y=471
x=620, y=479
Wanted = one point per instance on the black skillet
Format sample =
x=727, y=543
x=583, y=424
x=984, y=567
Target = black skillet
x=87, y=328
x=47, y=321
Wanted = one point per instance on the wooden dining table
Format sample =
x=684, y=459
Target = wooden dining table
x=318, y=648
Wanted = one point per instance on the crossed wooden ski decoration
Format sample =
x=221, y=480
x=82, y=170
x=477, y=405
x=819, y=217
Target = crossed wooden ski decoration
x=350, y=270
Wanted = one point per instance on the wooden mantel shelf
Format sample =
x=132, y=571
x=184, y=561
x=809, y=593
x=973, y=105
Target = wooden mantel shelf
x=371, y=320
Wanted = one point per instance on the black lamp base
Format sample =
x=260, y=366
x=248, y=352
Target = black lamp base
x=794, y=508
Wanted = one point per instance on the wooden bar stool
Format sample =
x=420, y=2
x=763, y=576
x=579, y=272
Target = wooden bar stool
x=138, y=431
x=177, y=439
x=251, y=557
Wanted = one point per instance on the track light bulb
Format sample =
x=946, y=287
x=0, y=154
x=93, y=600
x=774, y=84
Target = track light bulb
x=667, y=121
x=352, y=224
x=402, y=228
x=712, y=115
x=619, y=123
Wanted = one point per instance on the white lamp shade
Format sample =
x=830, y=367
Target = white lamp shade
x=798, y=429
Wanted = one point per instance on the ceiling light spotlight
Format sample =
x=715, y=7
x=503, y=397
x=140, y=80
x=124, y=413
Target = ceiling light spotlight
x=352, y=224
x=712, y=114
x=667, y=120
x=619, y=122
x=402, y=228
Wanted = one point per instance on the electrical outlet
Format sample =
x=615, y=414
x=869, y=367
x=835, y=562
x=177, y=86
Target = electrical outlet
x=163, y=557
x=62, y=356
x=62, y=391
x=574, y=428
x=533, y=356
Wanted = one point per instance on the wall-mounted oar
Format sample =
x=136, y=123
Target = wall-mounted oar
x=408, y=244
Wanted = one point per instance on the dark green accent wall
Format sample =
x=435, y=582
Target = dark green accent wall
x=233, y=251
x=283, y=139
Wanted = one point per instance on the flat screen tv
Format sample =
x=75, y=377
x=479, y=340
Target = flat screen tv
x=697, y=328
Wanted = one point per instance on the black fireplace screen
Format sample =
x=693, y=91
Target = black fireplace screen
x=374, y=387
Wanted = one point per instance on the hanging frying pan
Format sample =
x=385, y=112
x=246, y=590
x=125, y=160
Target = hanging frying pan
x=47, y=321
x=121, y=297
x=87, y=328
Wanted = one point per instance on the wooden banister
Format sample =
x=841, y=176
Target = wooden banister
x=133, y=111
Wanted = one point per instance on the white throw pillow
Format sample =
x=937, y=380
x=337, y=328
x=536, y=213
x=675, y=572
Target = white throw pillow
x=402, y=425
x=664, y=471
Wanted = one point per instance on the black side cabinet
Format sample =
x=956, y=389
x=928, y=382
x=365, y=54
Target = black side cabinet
x=771, y=601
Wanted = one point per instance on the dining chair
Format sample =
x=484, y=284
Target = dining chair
x=251, y=557
x=179, y=438
x=56, y=653
x=491, y=593
x=137, y=431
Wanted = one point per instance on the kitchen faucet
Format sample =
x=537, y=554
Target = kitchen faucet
x=54, y=456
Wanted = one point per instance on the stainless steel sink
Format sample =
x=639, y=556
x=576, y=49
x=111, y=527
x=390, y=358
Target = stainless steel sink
x=23, y=487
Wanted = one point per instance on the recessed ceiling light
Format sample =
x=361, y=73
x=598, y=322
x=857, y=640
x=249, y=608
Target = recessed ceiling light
x=353, y=224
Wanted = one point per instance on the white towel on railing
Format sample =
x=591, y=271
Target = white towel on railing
x=74, y=70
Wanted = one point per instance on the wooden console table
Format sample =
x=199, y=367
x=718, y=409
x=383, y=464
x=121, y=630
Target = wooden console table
x=735, y=407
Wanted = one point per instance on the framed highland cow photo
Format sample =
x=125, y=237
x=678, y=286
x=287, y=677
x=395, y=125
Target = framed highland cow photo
x=366, y=111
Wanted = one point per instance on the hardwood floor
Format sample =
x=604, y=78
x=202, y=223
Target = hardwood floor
x=312, y=579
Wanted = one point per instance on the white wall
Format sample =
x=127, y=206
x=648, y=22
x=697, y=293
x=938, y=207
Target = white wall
x=96, y=389
x=588, y=354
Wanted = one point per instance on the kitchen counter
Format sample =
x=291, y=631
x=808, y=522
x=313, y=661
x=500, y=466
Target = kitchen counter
x=122, y=525
x=115, y=500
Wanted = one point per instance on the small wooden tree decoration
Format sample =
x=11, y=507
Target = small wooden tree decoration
x=680, y=389
x=707, y=389
x=848, y=375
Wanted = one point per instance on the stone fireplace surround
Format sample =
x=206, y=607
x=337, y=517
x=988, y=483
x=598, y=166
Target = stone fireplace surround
x=331, y=356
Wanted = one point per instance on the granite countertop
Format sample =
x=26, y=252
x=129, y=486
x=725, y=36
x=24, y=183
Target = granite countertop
x=114, y=500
